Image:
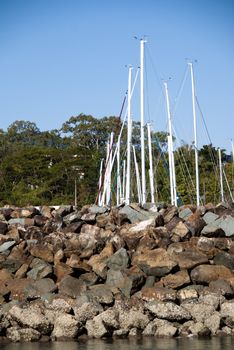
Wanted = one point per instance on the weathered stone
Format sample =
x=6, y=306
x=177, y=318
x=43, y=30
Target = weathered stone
x=159, y=220
x=165, y=329
x=7, y=245
x=58, y=303
x=42, y=251
x=187, y=294
x=185, y=213
x=61, y=270
x=206, y=273
x=15, y=334
x=74, y=227
x=132, y=319
x=102, y=220
x=169, y=213
x=63, y=210
x=133, y=216
x=227, y=225
x=95, y=209
x=72, y=286
x=39, y=269
x=40, y=220
x=3, y=227
x=195, y=223
x=65, y=326
x=141, y=226
x=189, y=258
x=168, y=311
x=199, y=311
x=40, y=287
x=176, y=280
x=101, y=294
x=213, y=323
x=210, y=217
x=181, y=231
x=132, y=239
x=225, y=259
x=110, y=318
x=11, y=265
x=221, y=287
x=96, y=328
x=119, y=260
x=156, y=262
x=211, y=230
x=30, y=317
x=87, y=311
x=21, y=221
x=210, y=299
x=227, y=309
x=158, y=294
x=98, y=262
x=88, y=239
x=72, y=217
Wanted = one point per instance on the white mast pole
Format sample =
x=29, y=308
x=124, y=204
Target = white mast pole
x=170, y=169
x=142, y=43
x=171, y=151
x=124, y=181
x=107, y=172
x=119, y=190
x=100, y=183
x=137, y=176
x=195, y=134
x=151, y=175
x=129, y=141
x=221, y=175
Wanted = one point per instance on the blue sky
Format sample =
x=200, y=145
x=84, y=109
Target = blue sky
x=62, y=58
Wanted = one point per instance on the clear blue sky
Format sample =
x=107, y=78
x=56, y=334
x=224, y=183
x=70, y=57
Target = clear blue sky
x=62, y=58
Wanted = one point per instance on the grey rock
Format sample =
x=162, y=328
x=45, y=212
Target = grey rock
x=5, y=246
x=168, y=311
x=87, y=311
x=199, y=311
x=72, y=286
x=210, y=217
x=39, y=269
x=95, y=209
x=185, y=213
x=132, y=319
x=96, y=328
x=40, y=288
x=119, y=260
x=227, y=225
x=165, y=329
x=213, y=323
x=133, y=215
x=72, y=217
x=101, y=294
x=65, y=326
x=15, y=334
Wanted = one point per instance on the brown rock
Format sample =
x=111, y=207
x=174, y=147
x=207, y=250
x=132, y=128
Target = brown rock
x=181, y=231
x=42, y=251
x=98, y=262
x=76, y=263
x=169, y=213
x=156, y=262
x=195, y=223
x=21, y=273
x=158, y=293
x=176, y=280
x=72, y=286
x=132, y=238
x=204, y=274
x=61, y=270
x=189, y=258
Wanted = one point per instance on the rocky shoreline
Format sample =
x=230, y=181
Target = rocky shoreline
x=100, y=272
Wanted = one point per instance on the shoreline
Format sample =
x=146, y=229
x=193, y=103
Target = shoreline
x=68, y=274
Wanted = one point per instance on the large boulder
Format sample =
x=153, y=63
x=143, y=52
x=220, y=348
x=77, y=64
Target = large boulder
x=16, y=334
x=98, y=261
x=156, y=262
x=71, y=286
x=168, y=311
x=204, y=274
x=65, y=326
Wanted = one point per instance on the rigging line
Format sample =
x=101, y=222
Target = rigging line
x=191, y=183
x=147, y=90
x=178, y=95
x=158, y=78
x=215, y=165
x=190, y=194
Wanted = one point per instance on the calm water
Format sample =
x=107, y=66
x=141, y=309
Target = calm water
x=219, y=343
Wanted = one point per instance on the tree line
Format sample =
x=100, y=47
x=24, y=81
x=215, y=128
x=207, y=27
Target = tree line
x=41, y=167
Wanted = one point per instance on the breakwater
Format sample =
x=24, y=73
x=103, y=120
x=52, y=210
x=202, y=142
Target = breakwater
x=120, y=272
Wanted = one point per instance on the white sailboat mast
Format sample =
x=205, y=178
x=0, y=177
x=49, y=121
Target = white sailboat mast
x=142, y=43
x=195, y=134
x=137, y=176
x=100, y=183
x=129, y=138
x=151, y=174
x=171, y=152
x=221, y=175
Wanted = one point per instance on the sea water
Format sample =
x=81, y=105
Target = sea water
x=215, y=343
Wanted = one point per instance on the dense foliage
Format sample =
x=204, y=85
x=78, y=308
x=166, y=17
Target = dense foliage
x=41, y=167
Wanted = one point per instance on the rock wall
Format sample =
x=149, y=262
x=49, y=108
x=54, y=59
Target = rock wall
x=99, y=272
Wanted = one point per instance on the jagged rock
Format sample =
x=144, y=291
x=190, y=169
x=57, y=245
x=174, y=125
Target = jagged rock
x=176, y=280
x=195, y=223
x=225, y=259
x=65, y=326
x=95, y=209
x=210, y=217
x=88, y=239
x=102, y=220
x=169, y=213
x=39, y=269
x=227, y=309
x=59, y=303
x=133, y=216
x=96, y=328
x=165, y=329
x=119, y=260
x=11, y=265
x=141, y=226
x=110, y=318
x=189, y=258
x=72, y=286
x=199, y=311
x=132, y=319
x=98, y=262
x=210, y=299
x=40, y=287
x=185, y=213
x=101, y=294
x=211, y=230
x=156, y=262
x=30, y=317
x=3, y=227
x=74, y=227
x=181, y=231
x=158, y=294
x=15, y=334
x=42, y=251
x=62, y=270
x=168, y=311
x=87, y=311
x=89, y=217
x=72, y=217
x=206, y=273
x=40, y=220
x=221, y=287
x=63, y=210
x=21, y=222
x=159, y=220
x=187, y=294
x=213, y=323
x=7, y=245
x=227, y=225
